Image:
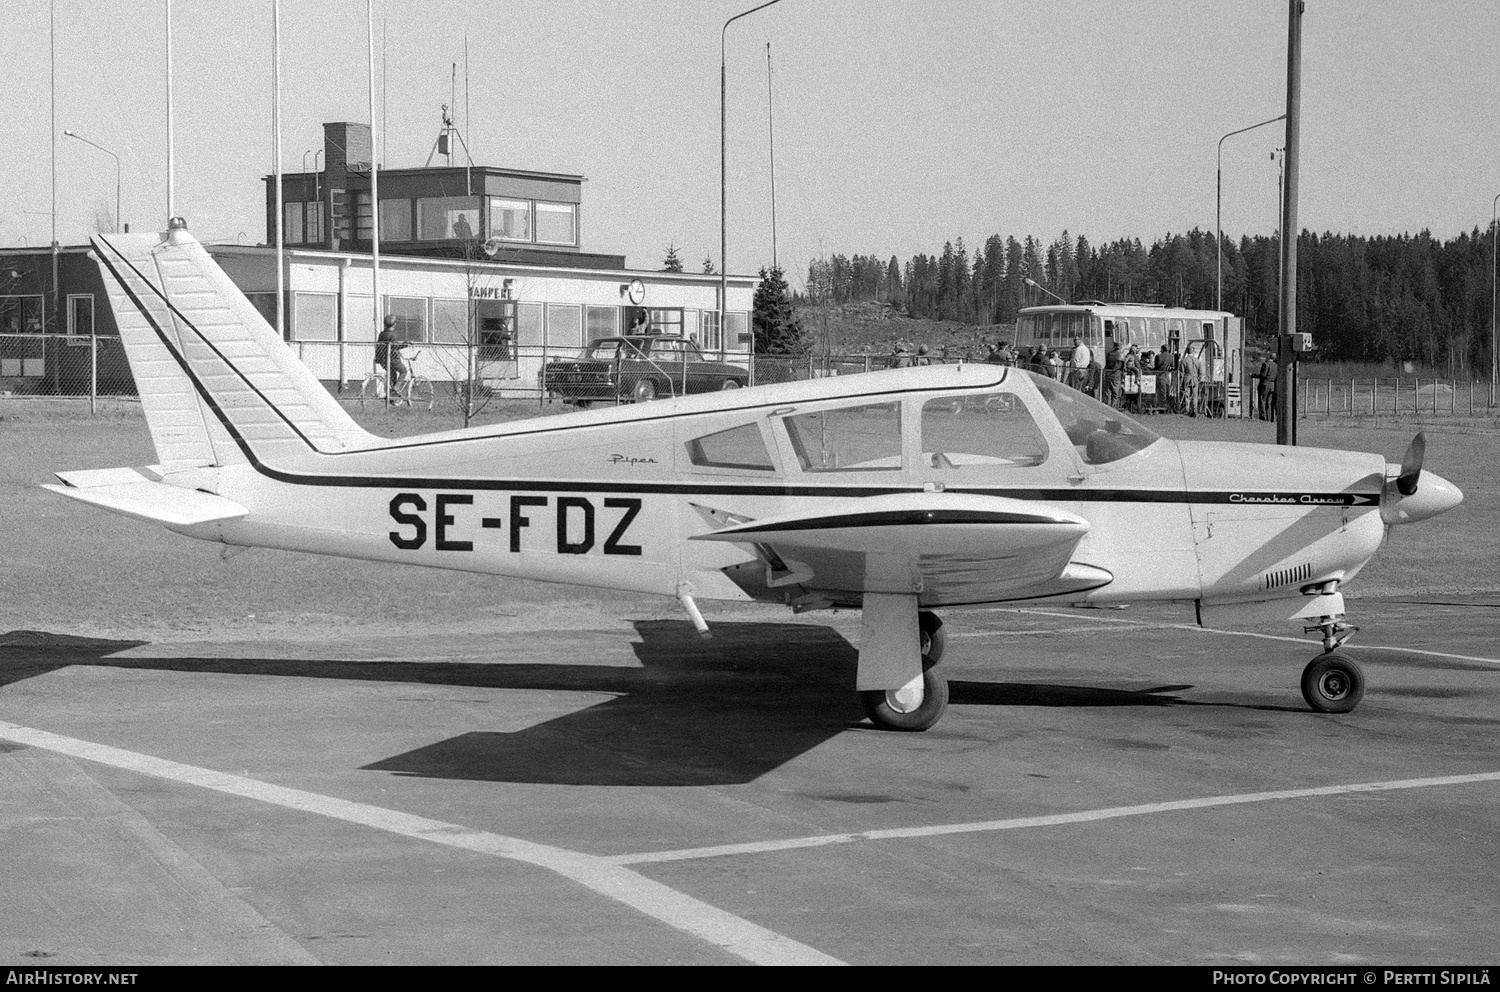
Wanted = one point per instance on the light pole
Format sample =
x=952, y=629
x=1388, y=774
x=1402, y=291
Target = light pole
x=117, y=224
x=724, y=173
x=1219, y=206
x=1494, y=259
x=1036, y=285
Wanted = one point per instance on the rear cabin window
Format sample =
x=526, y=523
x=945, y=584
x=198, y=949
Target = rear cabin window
x=863, y=438
x=739, y=447
x=972, y=433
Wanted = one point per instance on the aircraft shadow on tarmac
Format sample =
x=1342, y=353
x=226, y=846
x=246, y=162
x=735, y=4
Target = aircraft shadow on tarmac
x=696, y=712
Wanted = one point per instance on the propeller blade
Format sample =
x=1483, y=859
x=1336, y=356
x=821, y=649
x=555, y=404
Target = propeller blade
x=1411, y=465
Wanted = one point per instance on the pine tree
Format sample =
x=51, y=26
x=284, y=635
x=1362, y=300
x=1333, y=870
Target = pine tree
x=672, y=263
x=777, y=329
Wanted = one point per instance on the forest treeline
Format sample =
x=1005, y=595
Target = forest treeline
x=1370, y=299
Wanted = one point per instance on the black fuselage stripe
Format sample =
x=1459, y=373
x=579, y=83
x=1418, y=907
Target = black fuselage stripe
x=900, y=518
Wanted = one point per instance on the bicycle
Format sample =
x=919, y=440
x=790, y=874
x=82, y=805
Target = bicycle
x=414, y=391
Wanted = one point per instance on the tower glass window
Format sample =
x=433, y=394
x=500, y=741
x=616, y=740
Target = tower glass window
x=556, y=223
x=510, y=220
x=441, y=218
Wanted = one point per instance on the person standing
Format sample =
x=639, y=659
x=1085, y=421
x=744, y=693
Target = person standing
x=1192, y=381
x=1080, y=364
x=1266, y=388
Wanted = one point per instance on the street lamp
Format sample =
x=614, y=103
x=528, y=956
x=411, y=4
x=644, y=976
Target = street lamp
x=1218, y=207
x=1036, y=285
x=112, y=155
x=724, y=173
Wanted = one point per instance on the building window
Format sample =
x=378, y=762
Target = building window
x=737, y=328
x=564, y=325
x=395, y=220
x=496, y=321
x=304, y=222
x=450, y=321
x=510, y=220
x=81, y=315
x=666, y=321
x=444, y=218
x=711, y=340
x=315, y=317
x=265, y=305
x=364, y=218
x=292, y=228
x=528, y=324
x=556, y=223
x=411, y=317
x=602, y=322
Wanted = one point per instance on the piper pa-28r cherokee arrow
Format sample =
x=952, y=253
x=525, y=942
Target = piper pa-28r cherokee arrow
x=899, y=492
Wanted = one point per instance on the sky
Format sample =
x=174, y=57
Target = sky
x=896, y=125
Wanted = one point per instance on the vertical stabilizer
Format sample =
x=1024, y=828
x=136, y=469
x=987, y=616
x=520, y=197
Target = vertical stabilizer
x=218, y=385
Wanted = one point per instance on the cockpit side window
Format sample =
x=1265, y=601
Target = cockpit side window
x=865, y=438
x=983, y=432
x=1101, y=433
x=739, y=447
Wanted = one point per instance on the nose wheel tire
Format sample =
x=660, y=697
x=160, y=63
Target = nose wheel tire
x=897, y=709
x=1333, y=683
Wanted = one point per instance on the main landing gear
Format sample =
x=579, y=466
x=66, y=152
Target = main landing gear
x=917, y=702
x=1332, y=682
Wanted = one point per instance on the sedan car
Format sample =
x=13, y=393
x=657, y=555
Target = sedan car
x=638, y=368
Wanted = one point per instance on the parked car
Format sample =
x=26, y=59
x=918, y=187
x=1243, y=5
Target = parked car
x=638, y=368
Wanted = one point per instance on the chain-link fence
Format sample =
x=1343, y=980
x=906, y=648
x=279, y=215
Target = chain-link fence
x=465, y=381
x=64, y=366
x=1394, y=396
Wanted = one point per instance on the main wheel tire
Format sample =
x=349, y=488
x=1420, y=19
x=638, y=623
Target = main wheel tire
x=1333, y=683
x=934, y=637
x=644, y=391
x=886, y=712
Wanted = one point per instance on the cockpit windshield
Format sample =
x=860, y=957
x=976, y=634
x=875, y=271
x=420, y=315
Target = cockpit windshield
x=1101, y=433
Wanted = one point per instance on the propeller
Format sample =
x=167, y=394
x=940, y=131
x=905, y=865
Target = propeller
x=1401, y=503
x=1411, y=465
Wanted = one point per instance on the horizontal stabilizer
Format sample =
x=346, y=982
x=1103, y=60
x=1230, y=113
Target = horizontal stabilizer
x=127, y=492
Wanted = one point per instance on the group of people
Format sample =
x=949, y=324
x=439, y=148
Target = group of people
x=1116, y=378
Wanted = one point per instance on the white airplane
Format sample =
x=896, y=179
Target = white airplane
x=899, y=492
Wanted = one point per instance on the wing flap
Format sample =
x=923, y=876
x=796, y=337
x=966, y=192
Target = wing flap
x=125, y=491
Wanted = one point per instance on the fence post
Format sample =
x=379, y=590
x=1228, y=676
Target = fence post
x=93, y=373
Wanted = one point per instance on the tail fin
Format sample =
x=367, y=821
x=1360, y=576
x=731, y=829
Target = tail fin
x=218, y=386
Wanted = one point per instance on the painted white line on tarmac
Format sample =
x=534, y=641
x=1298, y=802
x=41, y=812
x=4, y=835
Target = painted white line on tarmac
x=1059, y=819
x=1356, y=647
x=606, y=876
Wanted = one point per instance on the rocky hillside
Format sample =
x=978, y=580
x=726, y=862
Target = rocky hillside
x=875, y=328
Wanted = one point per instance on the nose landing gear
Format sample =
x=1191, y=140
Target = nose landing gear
x=1332, y=682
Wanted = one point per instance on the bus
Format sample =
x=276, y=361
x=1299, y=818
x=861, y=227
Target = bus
x=1214, y=335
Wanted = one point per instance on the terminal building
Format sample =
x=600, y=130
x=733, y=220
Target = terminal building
x=474, y=261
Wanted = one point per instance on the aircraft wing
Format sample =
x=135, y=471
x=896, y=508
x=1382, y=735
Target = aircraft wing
x=950, y=548
x=129, y=492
